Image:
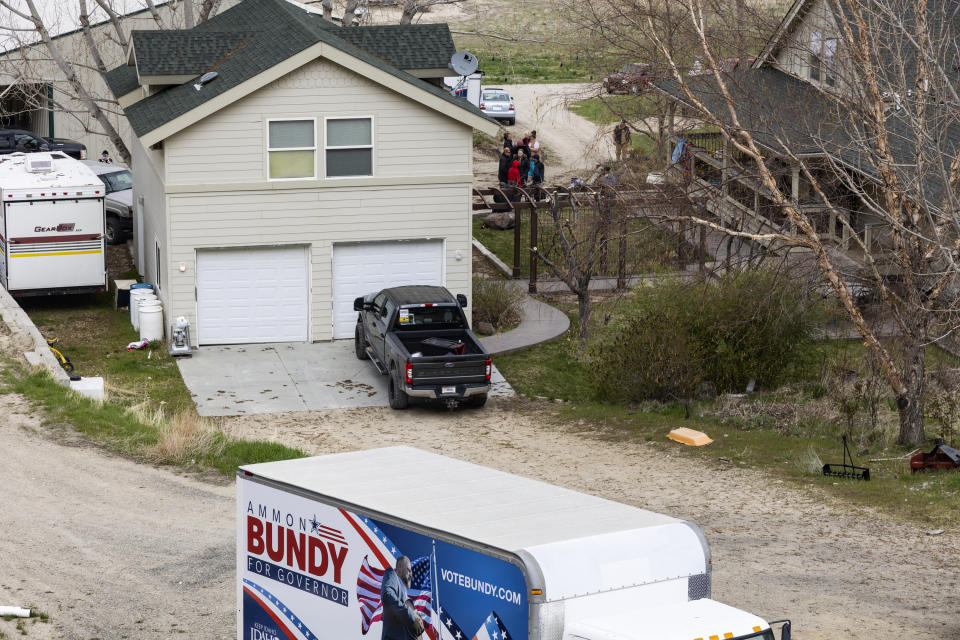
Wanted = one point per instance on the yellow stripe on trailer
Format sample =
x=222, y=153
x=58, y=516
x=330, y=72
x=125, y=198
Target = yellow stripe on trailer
x=53, y=253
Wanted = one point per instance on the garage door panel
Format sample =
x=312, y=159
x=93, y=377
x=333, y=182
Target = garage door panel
x=256, y=294
x=362, y=268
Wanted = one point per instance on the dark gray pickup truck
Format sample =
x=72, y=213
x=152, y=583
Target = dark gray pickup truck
x=419, y=336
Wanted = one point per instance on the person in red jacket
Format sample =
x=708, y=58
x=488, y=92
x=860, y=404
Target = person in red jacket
x=513, y=174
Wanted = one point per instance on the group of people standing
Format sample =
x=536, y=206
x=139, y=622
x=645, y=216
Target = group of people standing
x=520, y=163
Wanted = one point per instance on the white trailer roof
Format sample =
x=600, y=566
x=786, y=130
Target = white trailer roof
x=67, y=172
x=499, y=509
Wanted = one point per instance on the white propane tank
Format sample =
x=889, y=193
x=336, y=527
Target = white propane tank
x=135, y=298
x=151, y=322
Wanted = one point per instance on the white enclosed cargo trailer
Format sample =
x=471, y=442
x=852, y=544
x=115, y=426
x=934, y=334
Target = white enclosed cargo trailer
x=494, y=556
x=51, y=232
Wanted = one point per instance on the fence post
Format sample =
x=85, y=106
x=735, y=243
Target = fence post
x=703, y=252
x=533, y=245
x=517, y=241
x=622, y=254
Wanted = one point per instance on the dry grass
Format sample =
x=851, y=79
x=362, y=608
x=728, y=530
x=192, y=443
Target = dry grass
x=184, y=439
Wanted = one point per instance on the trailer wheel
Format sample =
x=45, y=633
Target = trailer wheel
x=359, y=344
x=398, y=397
x=113, y=231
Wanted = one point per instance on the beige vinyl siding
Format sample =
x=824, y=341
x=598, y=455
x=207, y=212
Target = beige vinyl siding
x=794, y=56
x=318, y=218
x=408, y=139
x=148, y=184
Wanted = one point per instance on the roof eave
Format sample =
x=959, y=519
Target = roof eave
x=784, y=27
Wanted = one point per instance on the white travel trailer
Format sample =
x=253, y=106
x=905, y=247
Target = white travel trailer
x=492, y=556
x=51, y=231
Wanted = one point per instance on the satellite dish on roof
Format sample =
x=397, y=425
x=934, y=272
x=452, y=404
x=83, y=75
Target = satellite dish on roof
x=204, y=79
x=463, y=63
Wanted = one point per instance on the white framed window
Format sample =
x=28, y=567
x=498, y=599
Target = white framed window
x=822, y=59
x=291, y=148
x=348, y=146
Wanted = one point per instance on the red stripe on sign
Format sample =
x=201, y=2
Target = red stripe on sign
x=366, y=538
x=42, y=239
x=332, y=539
x=263, y=605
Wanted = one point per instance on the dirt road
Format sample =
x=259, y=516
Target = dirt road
x=106, y=547
x=109, y=548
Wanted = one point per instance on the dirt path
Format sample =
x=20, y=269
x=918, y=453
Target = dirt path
x=777, y=551
x=573, y=144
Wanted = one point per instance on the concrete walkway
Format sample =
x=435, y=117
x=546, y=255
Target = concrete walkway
x=539, y=322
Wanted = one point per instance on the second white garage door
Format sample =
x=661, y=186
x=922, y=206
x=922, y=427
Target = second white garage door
x=366, y=267
x=255, y=294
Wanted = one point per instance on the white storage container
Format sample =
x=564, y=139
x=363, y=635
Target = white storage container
x=135, y=300
x=91, y=387
x=151, y=322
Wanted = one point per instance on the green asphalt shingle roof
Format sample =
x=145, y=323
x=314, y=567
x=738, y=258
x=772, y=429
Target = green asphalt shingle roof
x=122, y=80
x=430, y=46
x=264, y=33
x=183, y=52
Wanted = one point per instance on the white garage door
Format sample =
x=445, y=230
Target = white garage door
x=252, y=295
x=362, y=268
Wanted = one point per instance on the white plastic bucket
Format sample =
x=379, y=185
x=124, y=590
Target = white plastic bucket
x=90, y=387
x=135, y=300
x=151, y=323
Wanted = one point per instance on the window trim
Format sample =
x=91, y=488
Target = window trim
x=821, y=69
x=371, y=146
x=266, y=144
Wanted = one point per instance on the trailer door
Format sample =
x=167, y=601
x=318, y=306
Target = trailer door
x=54, y=244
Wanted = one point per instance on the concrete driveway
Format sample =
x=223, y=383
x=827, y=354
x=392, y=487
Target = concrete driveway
x=291, y=376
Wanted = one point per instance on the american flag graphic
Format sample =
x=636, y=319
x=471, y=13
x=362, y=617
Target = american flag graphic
x=492, y=629
x=420, y=592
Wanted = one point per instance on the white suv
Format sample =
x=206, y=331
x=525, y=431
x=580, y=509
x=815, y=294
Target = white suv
x=498, y=104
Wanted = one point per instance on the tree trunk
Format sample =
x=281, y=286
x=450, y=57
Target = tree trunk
x=910, y=403
x=188, y=19
x=583, y=323
x=327, y=10
x=410, y=8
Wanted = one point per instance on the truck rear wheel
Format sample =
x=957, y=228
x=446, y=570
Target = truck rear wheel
x=398, y=397
x=477, y=401
x=360, y=345
x=114, y=231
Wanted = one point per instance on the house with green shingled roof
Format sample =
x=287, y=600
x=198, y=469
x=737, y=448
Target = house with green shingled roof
x=309, y=166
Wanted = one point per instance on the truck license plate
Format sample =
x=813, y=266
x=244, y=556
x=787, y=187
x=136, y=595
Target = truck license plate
x=446, y=390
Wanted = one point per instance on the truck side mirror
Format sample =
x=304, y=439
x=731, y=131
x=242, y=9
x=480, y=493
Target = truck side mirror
x=358, y=304
x=462, y=300
x=785, y=631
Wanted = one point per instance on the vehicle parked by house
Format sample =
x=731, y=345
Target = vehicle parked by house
x=119, y=202
x=489, y=555
x=420, y=337
x=52, y=226
x=498, y=104
x=14, y=140
x=632, y=77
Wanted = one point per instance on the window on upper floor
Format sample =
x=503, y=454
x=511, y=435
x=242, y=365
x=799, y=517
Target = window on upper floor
x=292, y=149
x=822, y=59
x=349, y=147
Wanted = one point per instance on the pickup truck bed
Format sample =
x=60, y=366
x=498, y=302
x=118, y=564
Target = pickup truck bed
x=420, y=338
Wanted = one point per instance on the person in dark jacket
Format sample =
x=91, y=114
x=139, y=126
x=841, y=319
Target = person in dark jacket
x=538, y=169
x=524, y=167
x=506, y=161
x=400, y=620
x=508, y=142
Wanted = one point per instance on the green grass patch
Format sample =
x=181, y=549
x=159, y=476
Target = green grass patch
x=524, y=63
x=119, y=429
x=788, y=433
x=609, y=109
x=499, y=242
x=95, y=336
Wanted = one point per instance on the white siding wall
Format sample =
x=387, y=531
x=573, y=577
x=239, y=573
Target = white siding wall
x=318, y=217
x=794, y=57
x=410, y=140
x=147, y=183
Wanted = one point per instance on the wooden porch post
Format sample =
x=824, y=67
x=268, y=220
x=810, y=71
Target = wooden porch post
x=533, y=245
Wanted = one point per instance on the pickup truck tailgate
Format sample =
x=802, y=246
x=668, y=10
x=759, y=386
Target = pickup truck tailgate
x=449, y=372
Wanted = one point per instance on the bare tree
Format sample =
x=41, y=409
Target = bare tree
x=840, y=142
